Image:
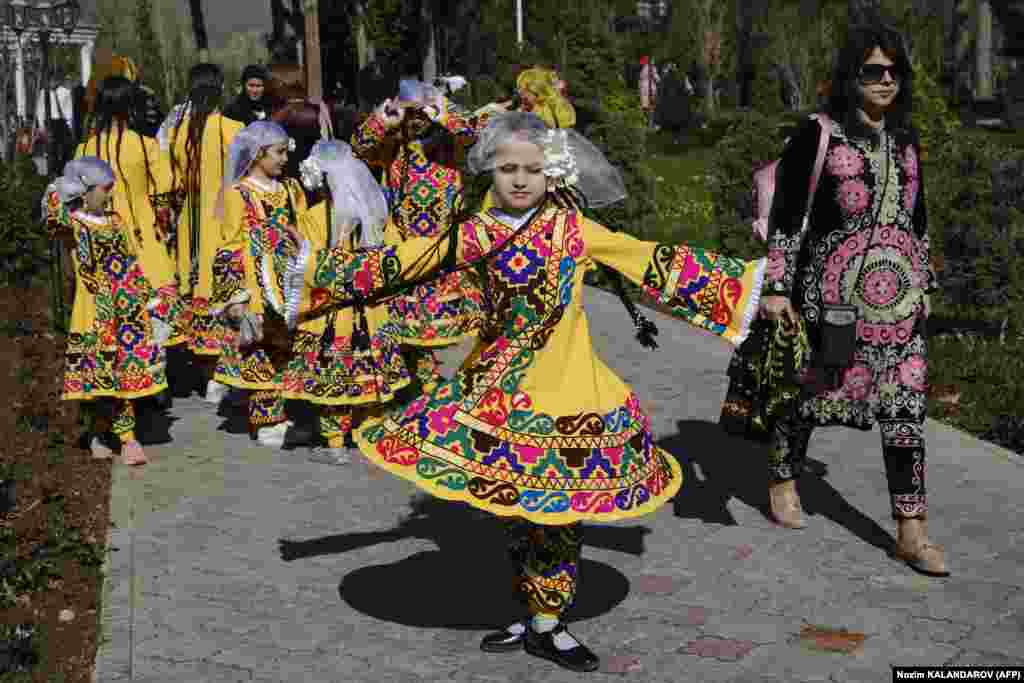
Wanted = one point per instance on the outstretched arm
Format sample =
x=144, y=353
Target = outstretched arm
x=710, y=291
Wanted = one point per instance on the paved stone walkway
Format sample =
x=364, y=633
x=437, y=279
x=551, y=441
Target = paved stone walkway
x=255, y=565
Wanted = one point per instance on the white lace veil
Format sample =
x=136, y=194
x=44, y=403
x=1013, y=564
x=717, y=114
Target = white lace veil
x=79, y=176
x=569, y=158
x=356, y=196
x=244, y=149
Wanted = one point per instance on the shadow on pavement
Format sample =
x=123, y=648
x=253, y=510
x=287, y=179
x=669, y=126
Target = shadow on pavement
x=466, y=583
x=733, y=467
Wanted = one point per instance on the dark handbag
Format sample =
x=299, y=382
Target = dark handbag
x=765, y=380
x=838, y=328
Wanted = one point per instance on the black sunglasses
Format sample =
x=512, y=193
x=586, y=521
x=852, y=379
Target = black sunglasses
x=873, y=73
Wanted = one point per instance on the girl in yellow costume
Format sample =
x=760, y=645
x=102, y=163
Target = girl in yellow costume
x=347, y=358
x=118, y=323
x=537, y=430
x=419, y=140
x=196, y=137
x=256, y=210
x=137, y=161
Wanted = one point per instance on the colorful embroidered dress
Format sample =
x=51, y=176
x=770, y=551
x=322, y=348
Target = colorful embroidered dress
x=423, y=181
x=819, y=263
x=110, y=350
x=129, y=154
x=195, y=275
x=538, y=426
x=254, y=220
x=348, y=373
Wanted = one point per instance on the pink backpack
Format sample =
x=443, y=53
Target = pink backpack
x=764, y=181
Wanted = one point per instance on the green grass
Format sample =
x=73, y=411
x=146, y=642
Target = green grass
x=681, y=192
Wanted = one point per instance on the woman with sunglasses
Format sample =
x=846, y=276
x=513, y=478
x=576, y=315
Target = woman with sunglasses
x=865, y=246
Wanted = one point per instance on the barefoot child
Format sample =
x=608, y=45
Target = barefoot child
x=347, y=358
x=537, y=429
x=114, y=351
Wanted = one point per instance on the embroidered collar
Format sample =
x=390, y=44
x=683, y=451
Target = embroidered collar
x=514, y=222
x=106, y=219
x=275, y=186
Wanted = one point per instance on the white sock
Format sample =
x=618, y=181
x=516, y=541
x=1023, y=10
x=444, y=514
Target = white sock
x=564, y=641
x=516, y=629
x=543, y=623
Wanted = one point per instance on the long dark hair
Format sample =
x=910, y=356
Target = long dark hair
x=115, y=101
x=206, y=89
x=860, y=42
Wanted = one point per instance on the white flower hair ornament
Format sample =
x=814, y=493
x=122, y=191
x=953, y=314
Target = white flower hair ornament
x=559, y=161
x=312, y=174
x=291, y=144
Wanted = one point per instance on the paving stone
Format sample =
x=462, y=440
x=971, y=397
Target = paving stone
x=983, y=657
x=217, y=601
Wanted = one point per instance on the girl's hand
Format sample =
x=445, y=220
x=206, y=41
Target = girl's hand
x=779, y=308
x=391, y=114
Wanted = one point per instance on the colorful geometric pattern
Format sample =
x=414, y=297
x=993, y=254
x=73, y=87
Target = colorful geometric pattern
x=210, y=333
x=266, y=408
x=110, y=349
x=547, y=562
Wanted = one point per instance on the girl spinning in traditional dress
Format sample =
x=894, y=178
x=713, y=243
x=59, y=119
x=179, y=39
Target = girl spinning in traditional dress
x=119, y=321
x=257, y=207
x=537, y=429
x=347, y=358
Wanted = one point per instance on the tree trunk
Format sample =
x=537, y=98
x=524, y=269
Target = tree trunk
x=744, y=52
x=983, y=49
x=364, y=46
x=427, y=15
x=199, y=29
x=863, y=11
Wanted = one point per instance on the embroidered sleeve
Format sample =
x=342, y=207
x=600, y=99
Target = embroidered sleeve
x=787, y=228
x=920, y=224
x=372, y=143
x=464, y=129
x=716, y=293
x=315, y=279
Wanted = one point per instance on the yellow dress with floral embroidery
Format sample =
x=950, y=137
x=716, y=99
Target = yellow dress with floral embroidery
x=348, y=365
x=110, y=350
x=135, y=159
x=537, y=426
x=256, y=250
x=195, y=276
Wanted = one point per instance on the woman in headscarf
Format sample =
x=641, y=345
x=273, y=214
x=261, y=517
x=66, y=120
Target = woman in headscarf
x=254, y=102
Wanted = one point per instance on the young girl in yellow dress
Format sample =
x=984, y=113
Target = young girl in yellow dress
x=346, y=359
x=537, y=429
x=119, y=321
x=137, y=162
x=196, y=137
x=256, y=208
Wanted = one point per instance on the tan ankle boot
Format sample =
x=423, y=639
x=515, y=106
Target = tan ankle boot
x=785, y=504
x=914, y=548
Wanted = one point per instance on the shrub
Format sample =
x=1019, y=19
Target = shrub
x=24, y=248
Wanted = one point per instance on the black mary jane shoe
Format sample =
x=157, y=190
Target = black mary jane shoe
x=542, y=645
x=503, y=640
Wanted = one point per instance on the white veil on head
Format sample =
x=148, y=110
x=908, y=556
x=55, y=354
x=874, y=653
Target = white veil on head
x=569, y=158
x=243, y=150
x=79, y=176
x=356, y=196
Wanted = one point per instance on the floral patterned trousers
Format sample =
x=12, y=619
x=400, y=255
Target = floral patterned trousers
x=116, y=415
x=902, y=450
x=547, y=561
x=335, y=424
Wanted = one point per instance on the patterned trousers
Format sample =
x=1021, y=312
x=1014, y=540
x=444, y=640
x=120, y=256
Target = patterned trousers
x=116, y=415
x=902, y=450
x=547, y=560
x=266, y=409
x=335, y=424
x=423, y=365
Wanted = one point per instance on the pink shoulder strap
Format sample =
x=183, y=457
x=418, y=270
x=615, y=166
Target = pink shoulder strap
x=819, y=162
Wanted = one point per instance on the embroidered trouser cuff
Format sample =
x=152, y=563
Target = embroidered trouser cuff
x=335, y=424
x=116, y=415
x=266, y=408
x=547, y=560
x=902, y=450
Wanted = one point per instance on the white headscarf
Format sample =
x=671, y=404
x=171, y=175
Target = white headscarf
x=243, y=150
x=79, y=176
x=355, y=194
